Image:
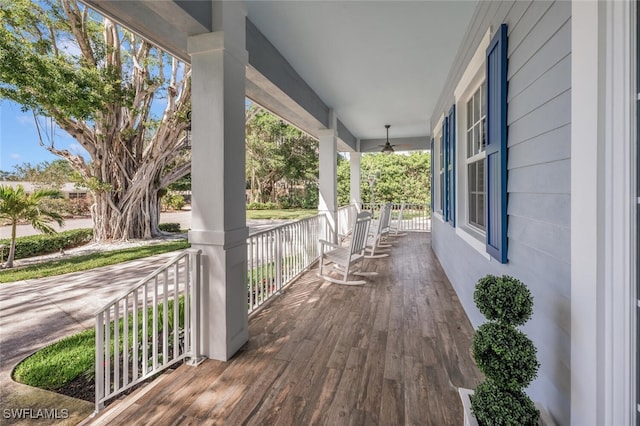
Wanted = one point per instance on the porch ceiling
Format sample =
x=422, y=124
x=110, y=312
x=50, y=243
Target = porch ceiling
x=374, y=63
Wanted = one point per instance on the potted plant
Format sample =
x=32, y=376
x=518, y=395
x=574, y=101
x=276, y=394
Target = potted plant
x=505, y=355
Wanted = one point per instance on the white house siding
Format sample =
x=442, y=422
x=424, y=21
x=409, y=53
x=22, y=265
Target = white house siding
x=539, y=164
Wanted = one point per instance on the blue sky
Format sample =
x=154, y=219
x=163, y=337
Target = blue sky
x=19, y=141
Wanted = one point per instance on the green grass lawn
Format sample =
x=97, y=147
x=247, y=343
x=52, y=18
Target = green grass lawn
x=288, y=214
x=59, y=363
x=88, y=261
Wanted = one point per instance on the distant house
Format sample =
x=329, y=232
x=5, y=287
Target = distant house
x=69, y=189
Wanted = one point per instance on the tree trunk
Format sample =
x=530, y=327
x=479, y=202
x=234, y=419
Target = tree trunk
x=12, y=246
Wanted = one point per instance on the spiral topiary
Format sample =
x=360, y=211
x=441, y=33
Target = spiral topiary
x=503, y=299
x=497, y=407
x=504, y=354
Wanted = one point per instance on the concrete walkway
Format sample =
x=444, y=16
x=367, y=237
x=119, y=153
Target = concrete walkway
x=35, y=313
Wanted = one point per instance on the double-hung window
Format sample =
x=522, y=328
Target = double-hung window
x=481, y=99
x=476, y=116
x=441, y=169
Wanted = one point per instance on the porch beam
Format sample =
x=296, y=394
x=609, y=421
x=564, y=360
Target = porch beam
x=219, y=228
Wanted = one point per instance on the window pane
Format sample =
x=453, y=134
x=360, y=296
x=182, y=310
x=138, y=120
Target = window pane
x=480, y=179
x=483, y=134
x=480, y=221
x=470, y=113
x=469, y=143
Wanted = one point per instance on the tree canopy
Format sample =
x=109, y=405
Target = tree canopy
x=124, y=101
x=278, y=154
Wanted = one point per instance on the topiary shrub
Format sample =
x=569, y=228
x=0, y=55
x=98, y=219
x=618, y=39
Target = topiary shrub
x=505, y=355
x=503, y=299
x=497, y=406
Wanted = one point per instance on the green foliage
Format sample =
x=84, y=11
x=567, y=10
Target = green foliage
x=505, y=354
x=173, y=202
x=279, y=156
x=402, y=177
x=36, y=245
x=45, y=174
x=494, y=406
x=69, y=264
x=503, y=299
x=34, y=73
x=169, y=227
x=182, y=184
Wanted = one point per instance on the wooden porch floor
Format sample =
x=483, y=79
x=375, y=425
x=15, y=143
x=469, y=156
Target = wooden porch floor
x=391, y=352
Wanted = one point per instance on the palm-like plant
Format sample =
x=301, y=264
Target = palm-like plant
x=16, y=205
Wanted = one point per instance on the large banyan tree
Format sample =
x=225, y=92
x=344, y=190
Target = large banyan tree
x=125, y=101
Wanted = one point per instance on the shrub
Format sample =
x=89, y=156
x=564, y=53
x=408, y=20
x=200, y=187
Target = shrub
x=173, y=202
x=505, y=355
x=169, y=227
x=494, y=406
x=503, y=299
x=36, y=245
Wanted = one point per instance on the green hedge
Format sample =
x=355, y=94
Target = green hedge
x=169, y=227
x=37, y=245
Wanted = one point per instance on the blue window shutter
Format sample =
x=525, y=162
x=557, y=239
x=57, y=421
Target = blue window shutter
x=433, y=172
x=452, y=164
x=496, y=161
x=445, y=136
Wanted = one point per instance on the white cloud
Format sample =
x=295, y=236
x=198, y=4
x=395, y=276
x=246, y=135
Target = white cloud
x=15, y=156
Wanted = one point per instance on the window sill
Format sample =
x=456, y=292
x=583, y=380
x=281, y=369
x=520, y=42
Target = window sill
x=438, y=216
x=473, y=241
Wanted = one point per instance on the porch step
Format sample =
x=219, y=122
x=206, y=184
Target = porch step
x=121, y=404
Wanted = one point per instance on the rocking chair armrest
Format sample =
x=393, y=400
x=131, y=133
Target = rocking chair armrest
x=328, y=243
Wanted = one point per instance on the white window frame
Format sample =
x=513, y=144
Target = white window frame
x=472, y=78
x=481, y=156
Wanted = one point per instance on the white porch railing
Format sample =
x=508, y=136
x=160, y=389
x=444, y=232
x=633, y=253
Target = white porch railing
x=155, y=324
x=416, y=217
x=277, y=256
x=148, y=329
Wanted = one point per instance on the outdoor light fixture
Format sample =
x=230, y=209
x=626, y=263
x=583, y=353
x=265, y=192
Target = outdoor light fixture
x=387, y=148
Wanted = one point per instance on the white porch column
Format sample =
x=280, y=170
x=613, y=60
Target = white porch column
x=603, y=260
x=354, y=162
x=218, y=61
x=328, y=202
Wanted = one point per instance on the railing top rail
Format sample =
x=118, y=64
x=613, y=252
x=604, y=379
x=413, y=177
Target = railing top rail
x=284, y=225
x=144, y=280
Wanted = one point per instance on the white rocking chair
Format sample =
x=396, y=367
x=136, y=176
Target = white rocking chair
x=347, y=260
x=374, y=241
x=396, y=230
